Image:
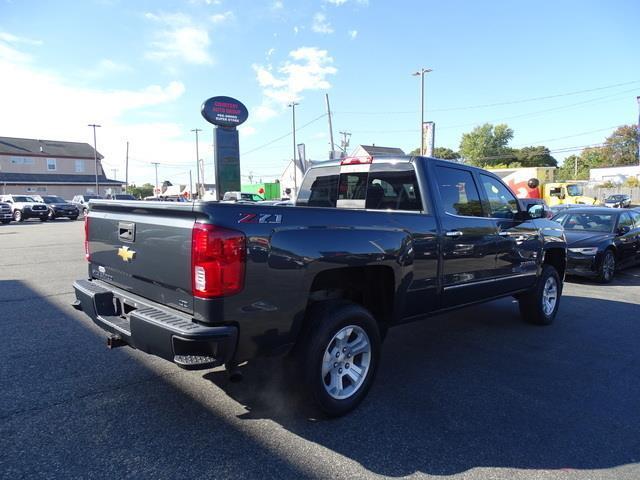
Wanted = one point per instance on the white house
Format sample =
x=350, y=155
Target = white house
x=614, y=174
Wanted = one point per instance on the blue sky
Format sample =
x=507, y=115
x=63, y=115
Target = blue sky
x=142, y=70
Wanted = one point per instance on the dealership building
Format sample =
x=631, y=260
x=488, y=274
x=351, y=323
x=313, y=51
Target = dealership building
x=51, y=167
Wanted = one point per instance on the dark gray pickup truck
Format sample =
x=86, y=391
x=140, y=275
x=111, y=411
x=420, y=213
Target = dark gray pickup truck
x=370, y=243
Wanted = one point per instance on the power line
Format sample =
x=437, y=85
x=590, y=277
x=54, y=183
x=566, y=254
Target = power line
x=565, y=137
x=497, y=104
x=244, y=154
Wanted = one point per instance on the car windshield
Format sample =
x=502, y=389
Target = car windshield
x=53, y=199
x=575, y=190
x=22, y=198
x=614, y=198
x=253, y=197
x=591, y=222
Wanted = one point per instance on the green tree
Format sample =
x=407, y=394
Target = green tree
x=487, y=145
x=439, y=152
x=588, y=159
x=535, y=157
x=621, y=147
x=445, y=153
x=145, y=190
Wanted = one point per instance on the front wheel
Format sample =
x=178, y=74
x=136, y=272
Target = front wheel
x=17, y=216
x=607, y=267
x=340, y=357
x=540, y=305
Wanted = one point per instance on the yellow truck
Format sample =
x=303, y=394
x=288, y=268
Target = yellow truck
x=538, y=182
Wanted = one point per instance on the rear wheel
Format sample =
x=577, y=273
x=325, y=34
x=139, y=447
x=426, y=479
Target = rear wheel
x=17, y=216
x=540, y=305
x=607, y=267
x=339, y=357
x=51, y=215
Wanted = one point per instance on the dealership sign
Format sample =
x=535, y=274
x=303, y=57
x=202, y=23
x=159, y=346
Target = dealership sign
x=224, y=111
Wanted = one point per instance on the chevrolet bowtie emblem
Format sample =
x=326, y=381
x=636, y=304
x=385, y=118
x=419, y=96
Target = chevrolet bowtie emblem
x=125, y=254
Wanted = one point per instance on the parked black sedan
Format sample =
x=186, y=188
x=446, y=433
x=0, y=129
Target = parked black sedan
x=618, y=201
x=58, y=207
x=600, y=240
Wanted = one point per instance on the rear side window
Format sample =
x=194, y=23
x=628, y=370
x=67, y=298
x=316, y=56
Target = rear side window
x=636, y=218
x=625, y=221
x=458, y=192
x=393, y=191
x=320, y=188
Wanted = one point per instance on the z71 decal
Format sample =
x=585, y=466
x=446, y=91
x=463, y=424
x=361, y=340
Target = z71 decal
x=260, y=218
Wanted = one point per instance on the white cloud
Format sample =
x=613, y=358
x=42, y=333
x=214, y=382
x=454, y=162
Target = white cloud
x=320, y=24
x=296, y=29
x=353, y=34
x=270, y=52
x=307, y=69
x=222, y=17
x=277, y=5
x=338, y=3
x=64, y=110
x=179, y=39
x=246, y=130
x=10, y=38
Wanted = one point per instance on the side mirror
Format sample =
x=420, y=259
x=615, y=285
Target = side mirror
x=623, y=230
x=535, y=210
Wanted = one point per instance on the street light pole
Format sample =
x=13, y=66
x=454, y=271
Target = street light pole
x=95, y=154
x=421, y=73
x=295, y=167
x=197, y=161
x=155, y=194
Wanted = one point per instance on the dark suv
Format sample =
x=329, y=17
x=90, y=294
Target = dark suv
x=58, y=207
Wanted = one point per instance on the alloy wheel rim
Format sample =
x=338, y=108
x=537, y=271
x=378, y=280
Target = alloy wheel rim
x=346, y=362
x=549, y=296
x=608, y=266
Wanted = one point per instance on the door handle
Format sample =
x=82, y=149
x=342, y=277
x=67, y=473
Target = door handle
x=454, y=233
x=504, y=234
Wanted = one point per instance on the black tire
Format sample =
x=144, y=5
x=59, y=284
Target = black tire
x=6, y=221
x=75, y=217
x=17, y=216
x=533, y=307
x=51, y=215
x=327, y=320
x=607, y=266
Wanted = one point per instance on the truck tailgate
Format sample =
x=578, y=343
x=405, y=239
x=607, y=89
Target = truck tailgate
x=144, y=248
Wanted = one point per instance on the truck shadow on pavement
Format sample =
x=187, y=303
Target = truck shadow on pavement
x=480, y=388
x=69, y=408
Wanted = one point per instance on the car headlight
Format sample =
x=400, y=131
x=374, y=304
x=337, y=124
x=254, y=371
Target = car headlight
x=585, y=250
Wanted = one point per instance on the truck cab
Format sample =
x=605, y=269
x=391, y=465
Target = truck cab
x=562, y=193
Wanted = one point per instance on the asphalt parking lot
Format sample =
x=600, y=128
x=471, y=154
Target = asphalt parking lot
x=476, y=394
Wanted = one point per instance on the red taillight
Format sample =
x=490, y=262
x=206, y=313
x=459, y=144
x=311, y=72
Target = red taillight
x=87, y=255
x=217, y=261
x=356, y=160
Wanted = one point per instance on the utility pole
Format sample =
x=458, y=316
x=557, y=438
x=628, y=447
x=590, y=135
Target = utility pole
x=155, y=194
x=638, y=128
x=420, y=73
x=126, y=171
x=190, y=186
x=295, y=167
x=326, y=96
x=197, y=160
x=95, y=154
x=344, y=143
x=575, y=167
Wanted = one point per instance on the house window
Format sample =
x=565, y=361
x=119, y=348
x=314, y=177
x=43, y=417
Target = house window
x=51, y=164
x=79, y=166
x=21, y=161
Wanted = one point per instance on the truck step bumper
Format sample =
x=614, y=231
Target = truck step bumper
x=154, y=329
